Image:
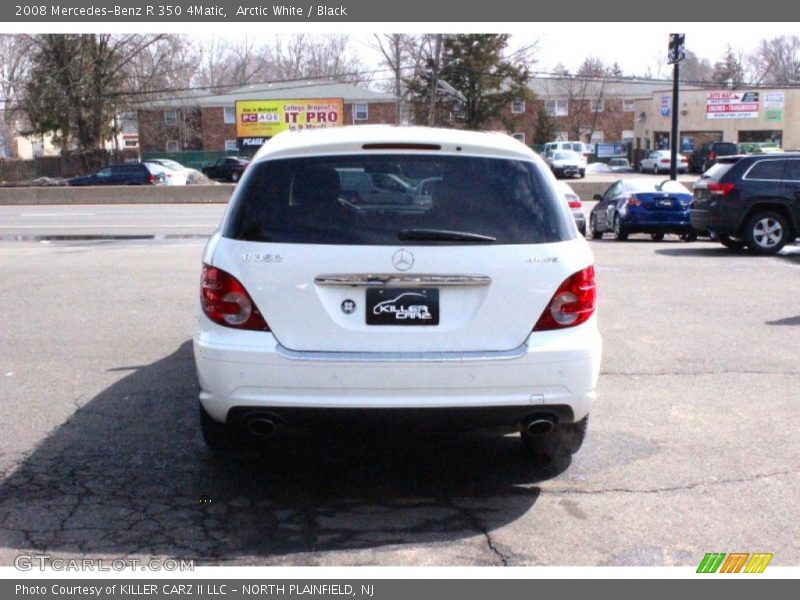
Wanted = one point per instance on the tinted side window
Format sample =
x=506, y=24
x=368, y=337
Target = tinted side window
x=793, y=170
x=767, y=169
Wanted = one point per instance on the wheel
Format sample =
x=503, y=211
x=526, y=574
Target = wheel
x=656, y=237
x=619, y=230
x=655, y=169
x=596, y=235
x=641, y=168
x=732, y=243
x=689, y=237
x=582, y=229
x=704, y=166
x=582, y=173
x=221, y=437
x=234, y=176
x=565, y=439
x=766, y=233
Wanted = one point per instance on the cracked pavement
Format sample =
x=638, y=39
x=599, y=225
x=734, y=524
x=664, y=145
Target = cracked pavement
x=692, y=445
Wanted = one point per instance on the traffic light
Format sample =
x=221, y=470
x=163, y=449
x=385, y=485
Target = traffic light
x=677, y=48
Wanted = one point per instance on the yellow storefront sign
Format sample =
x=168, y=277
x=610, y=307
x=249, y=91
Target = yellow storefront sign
x=266, y=118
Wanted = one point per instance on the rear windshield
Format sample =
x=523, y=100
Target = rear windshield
x=390, y=199
x=725, y=149
x=716, y=172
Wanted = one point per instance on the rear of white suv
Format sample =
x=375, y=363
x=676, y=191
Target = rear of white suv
x=454, y=286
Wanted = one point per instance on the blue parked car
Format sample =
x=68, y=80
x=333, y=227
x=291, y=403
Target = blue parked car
x=642, y=206
x=125, y=174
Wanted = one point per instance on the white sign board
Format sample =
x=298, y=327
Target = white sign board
x=773, y=99
x=732, y=105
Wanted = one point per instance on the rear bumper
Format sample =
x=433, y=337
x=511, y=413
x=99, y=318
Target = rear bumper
x=653, y=222
x=251, y=370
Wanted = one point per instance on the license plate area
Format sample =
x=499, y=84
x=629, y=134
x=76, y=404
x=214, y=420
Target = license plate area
x=402, y=306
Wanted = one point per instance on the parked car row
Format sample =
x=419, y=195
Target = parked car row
x=161, y=171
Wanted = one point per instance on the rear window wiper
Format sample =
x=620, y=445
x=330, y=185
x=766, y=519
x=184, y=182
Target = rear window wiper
x=443, y=235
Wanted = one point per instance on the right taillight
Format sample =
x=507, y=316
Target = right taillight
x=572, y=304
x=719, y=189
x=575, y=204
x=225, y=301
x=712, y=156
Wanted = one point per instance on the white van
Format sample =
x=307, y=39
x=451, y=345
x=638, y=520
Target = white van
x=579, y=147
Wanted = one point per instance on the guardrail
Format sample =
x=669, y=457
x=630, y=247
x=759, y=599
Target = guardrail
x=124, y=194
x=189, y=194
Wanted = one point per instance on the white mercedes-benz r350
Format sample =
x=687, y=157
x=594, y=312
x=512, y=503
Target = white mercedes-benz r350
x=397, y=275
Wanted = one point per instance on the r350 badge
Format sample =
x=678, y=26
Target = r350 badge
x=258, y=257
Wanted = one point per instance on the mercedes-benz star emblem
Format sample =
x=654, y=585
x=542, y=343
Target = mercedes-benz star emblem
x=348, y=307
x=403, y=260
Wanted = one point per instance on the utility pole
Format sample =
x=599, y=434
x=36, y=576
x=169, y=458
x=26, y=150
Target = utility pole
x=434, y=80
x=677, y=45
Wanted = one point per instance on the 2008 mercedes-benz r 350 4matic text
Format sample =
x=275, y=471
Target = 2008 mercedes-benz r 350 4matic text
x=453, y=283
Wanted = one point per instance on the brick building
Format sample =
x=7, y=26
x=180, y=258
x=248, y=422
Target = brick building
x=202, y=121
x=589, y=110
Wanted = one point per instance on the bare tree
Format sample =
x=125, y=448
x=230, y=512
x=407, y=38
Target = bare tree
x=302, y=56
x=776, y=61
x=14, y=67
x=225, y=62
x=585, y=93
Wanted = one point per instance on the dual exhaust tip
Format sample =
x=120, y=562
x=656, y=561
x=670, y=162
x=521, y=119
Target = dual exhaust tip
x=261, y=425
x=539, y=425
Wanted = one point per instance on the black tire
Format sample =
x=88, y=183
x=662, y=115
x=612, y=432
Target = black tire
x=619, y=230
x=582, y=230
x=235, y=176
x=656, y=237
x=655, y=169
x=565, y=439
x=582, y=173
x=766, y=233
x=596, y=235
x=732, y=243
x=641, y=168
x=689, y=237
x=221, y=438
x=704, y=166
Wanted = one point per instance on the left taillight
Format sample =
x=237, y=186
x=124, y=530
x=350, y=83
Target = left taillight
x=572, y=304
x=226, y=302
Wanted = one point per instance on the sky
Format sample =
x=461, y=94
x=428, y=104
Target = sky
x=634, y=46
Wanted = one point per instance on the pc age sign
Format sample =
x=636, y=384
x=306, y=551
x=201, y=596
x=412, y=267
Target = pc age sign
x=266, y=118
x=732, y=105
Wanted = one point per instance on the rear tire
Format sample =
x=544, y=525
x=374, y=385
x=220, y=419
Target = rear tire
x=766, y=233
x=689, y=237
x=656, y=237
x=641, y=168
x=619, y=230
x=234, y=177
x=732, y=243
x=655, y=169
x=565, y=440
x=596, y=235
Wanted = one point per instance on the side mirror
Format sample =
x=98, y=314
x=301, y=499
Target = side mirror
x=597, y=197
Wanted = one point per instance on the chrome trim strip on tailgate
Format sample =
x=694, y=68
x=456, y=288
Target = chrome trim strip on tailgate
x=401, y=280
x=517, y=352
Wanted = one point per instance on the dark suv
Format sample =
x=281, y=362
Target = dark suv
x=126, y=174
x=751, y=200
x=706, y=155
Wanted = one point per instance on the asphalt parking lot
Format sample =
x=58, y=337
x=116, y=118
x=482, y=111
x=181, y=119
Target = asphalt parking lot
x=692, y=446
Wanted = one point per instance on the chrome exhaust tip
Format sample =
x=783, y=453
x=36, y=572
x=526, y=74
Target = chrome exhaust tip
x=260, y=426
x=539, y=426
